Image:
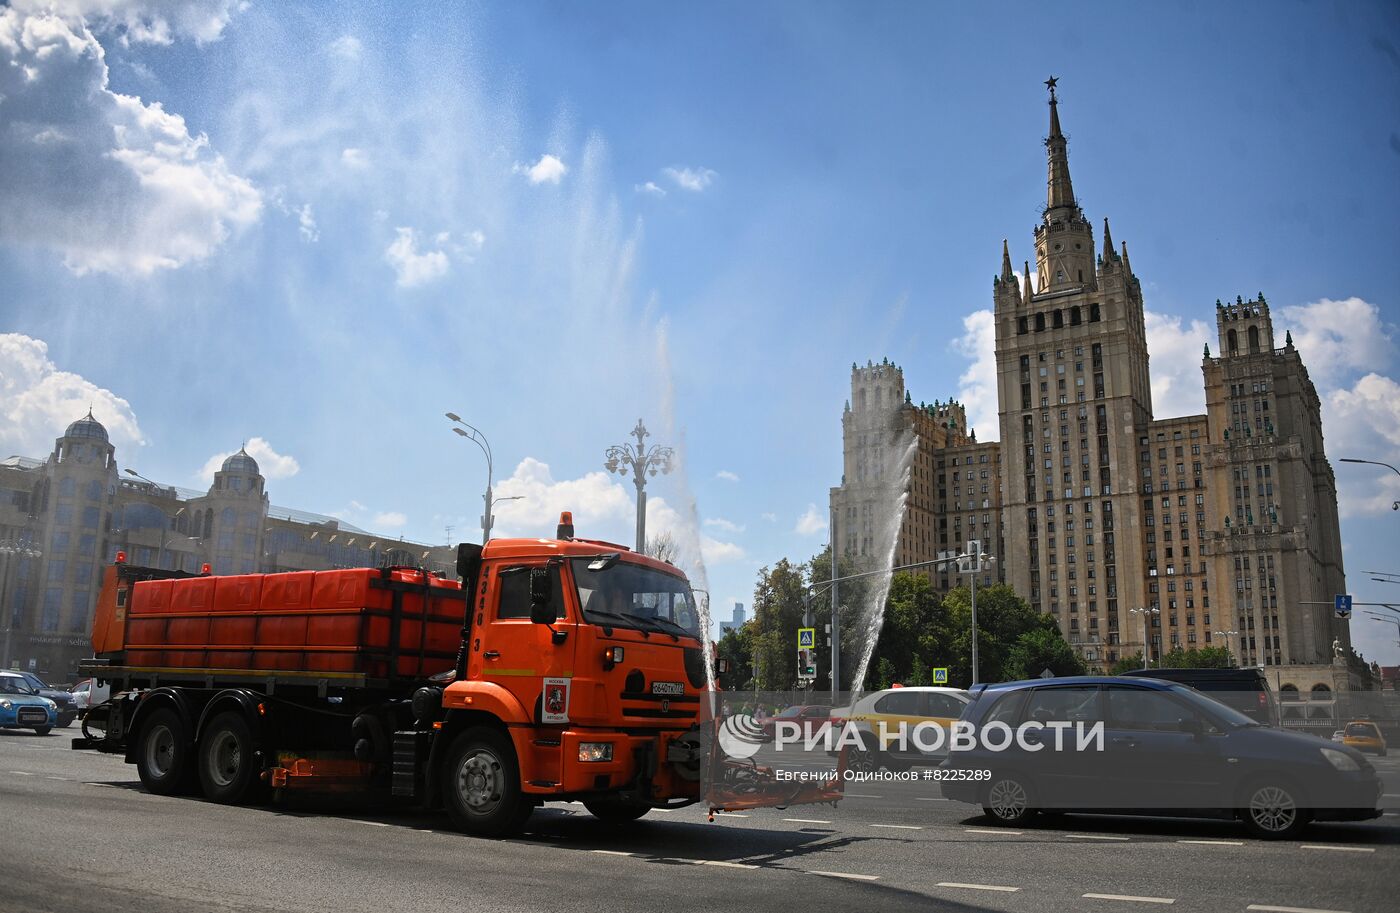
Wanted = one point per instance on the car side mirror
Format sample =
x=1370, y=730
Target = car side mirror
x=541, y=597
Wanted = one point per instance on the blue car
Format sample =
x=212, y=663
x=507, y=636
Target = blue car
x=1143, y=746
x=23, y=707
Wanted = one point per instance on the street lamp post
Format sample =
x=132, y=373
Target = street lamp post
x=642, y=462
x=9, y=550
x=474, y=435
x=1395, y=505
x=1146, y=637
x=1227, y=635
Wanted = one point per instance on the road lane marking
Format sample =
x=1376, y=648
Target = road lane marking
x=1094, y=837
x=806, y=821
x=1270, y=908
x=1340, y=849
x=1390, y=795
x=861, y=796
x=977, y=830
x=1215, y=842
x=724, y=864
x=611, y=852
x=729, y=815
x=21, y=773
x=370, y=823
x=1132, y=898
x=852, y=875
x=899, y=827
x=50, y=777
x=931, y=799
x=978, y=887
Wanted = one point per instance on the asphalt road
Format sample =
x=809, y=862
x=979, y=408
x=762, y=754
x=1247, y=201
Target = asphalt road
x=79, y=835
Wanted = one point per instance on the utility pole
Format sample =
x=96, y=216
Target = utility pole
x=974, y=551
x=835, y=616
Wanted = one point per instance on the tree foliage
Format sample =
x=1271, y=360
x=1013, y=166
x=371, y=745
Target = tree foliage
x=1197, y=658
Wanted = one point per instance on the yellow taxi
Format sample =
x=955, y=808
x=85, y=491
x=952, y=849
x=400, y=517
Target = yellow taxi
x=889, y=722
x=1363, y=735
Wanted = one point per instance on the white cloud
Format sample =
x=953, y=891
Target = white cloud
x=1175, y=349
x=596, y=499
x=271, y=464
x=548, y=170
x=478, y=239
x=1337, y=337
x=1364, y=422
x=306, y=224
x=110, y=182
x=347, y=47
x=38, y=401
x=651, y=188
x=142, y=21
x=692, y=179
x=413, y=267
x=389, y=519
x=811, y=522
x=977, y=386
x=716, y=552
x=354, y=159
x=728, y=526
x=727, y=476
x=769, y=517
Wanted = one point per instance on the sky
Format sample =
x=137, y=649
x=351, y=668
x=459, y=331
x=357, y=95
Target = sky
x=317, y=228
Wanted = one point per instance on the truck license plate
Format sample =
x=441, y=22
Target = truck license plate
x=668, y=688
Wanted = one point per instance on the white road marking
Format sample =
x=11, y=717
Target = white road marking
x=65, y=779
x=1215, y=842
x=724, y=864
x=1340, y=849
x=806, y=821
x=370, y=823
x=1270, y=908
x=1094, y=837
x=729, y=815
x=846, y=875
x=899, y=827
x=611, y=852
x=21, y=773
x=931, y=799
x=1131, y=898
x=1390, y=795
x=978, y=887
x=861, y=796
x=977, y=830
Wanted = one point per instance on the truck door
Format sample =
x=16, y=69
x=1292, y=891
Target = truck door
x=521, y=656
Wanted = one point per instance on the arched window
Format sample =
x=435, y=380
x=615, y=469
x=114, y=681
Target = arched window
x=1253, y=339
x=1232, y=341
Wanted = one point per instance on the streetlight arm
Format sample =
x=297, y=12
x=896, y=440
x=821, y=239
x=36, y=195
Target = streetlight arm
x=1371, y=463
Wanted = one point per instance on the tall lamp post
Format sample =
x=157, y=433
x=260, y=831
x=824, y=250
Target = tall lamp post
x=642, y=462
x=1146, y=637
x=474, y=435
x=1395, y=505
x=165, y=528
x=1227, y=635
x=11, y=549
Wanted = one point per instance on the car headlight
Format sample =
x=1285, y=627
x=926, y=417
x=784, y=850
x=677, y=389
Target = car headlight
x=50, y=704
x=5, y=705
x=1340, y=760
x=595, y=751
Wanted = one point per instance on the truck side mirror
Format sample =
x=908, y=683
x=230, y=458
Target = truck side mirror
x=541, y=597
x=468, y=562
x=721, y=667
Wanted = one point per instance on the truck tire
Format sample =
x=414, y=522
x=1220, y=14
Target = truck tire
x=228, y=765
x=616, y=811
x=164, y=754
x=481, y=784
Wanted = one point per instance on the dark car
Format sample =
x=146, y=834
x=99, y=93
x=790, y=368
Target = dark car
x=808, y=717
x=67, y=707
x=1162, y=749
x=1246, y=690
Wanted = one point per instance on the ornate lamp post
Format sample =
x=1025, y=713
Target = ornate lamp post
x=1227, y=635
x=1146, y=632
x=642, y=462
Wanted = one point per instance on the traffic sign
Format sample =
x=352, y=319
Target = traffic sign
x=1046, y=673
x=806, y=638
x=940, y=675
x=1342, y=605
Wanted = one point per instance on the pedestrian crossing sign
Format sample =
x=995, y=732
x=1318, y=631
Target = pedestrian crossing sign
x=940, y=675
x=806, y=638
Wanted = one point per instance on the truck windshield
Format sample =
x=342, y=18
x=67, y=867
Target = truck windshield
x=630, y=596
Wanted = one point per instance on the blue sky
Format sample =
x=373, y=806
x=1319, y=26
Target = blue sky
x=323, y=227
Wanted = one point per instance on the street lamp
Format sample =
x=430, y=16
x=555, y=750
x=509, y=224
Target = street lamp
x=474, y=435
x=1146, y=640
x=9, y=550
x=642, y=462
x=1227, y=635
x=1395, y=505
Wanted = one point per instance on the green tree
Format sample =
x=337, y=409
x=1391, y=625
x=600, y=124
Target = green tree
x=1126, y=664
x=1193, y=658
x=1038, y=650
x=913, y=627
x=736, y=647
x=1002, y=617
x=778, y=603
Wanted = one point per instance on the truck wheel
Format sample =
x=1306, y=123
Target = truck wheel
x=616, y=811
x=482, y=785
x=42, y=730
x=228, y=766
x=164, y=754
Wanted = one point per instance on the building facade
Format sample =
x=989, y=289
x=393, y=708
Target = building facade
x=63, y=520
x=1122, y=526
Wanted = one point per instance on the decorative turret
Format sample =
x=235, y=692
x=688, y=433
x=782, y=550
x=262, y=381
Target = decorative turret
x=1064, y=241
x=1245, y=327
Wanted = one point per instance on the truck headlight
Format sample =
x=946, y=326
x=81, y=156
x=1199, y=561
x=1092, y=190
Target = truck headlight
x=595, y=751
x=1340, y=760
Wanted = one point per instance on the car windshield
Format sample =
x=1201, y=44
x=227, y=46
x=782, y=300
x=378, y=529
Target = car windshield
x=1223, y=712
x=631, y=596
x=1360, y=729
x=13, y=684
x=33, y=680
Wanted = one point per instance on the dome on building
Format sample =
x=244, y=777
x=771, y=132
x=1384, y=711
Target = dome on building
x=87, y=427
x=241, y=462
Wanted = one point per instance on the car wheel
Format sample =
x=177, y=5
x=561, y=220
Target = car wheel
x=42, y=730
x=482, y=785
x=616, y=811
x=164, y=754
x=1007, y=800
x=862, y=761
x=1270, y=809
x=66, y=723
x=228, y=760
